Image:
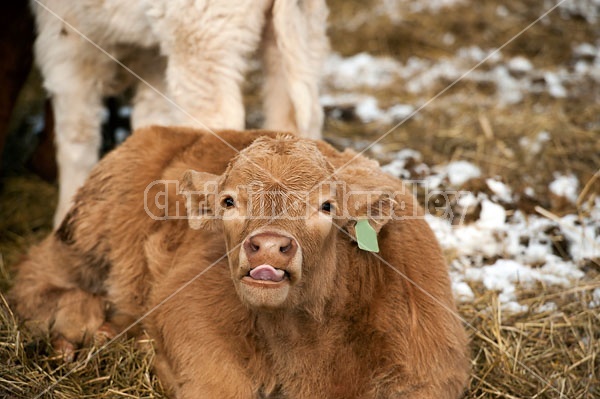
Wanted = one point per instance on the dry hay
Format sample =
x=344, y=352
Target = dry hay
x=28, y=369
x=539, y=353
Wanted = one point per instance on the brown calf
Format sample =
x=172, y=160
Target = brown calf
x=268, y=294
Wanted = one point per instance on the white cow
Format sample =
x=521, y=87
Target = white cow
x=194, y=52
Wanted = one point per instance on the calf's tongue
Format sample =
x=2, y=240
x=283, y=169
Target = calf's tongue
x=267, y=272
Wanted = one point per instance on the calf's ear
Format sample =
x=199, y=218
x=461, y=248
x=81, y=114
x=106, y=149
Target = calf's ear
x=374, y=205
x=200, y=190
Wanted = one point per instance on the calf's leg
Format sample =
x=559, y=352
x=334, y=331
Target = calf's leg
x=48, y=296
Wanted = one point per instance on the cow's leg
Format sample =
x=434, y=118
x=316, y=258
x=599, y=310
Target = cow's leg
x=294, y=49
x=278, y=107
x=208, y=49
x=75, y=74
x=77, y=112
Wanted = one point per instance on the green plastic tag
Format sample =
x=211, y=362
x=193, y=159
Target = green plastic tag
x=366, y=236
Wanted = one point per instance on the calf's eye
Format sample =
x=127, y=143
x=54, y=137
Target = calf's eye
x=228, y=202
x=326, y=206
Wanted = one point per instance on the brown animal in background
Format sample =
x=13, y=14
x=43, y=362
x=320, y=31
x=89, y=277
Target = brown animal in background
x=295, y=309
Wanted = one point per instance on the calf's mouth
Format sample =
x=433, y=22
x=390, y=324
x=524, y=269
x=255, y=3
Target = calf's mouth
x=266, y=276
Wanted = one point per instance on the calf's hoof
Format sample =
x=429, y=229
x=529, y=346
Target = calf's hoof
x=104, y=333
x=64, y=348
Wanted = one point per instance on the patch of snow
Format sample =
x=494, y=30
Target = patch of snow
x=492, y=215
x=420, y=75
x=548, y=307
x=587, y=9
x=543, y=137
x=400, y=112
x=535, y=147
x=582, y=236
x=477, y=54
x=502, y=276
x=459, y=172
x=529, y=191
x=506, y=274
x=360, y=70
x=468, y=201
x=433, y=5
x=330, y=100
x=555, y=86
x=398, y=166
x=394, y=10
x=514, y=307
x=408, y=153
x=520, y=65
x=585, y=50
x=509, y=90
x=502, y=11
x=513, y=78
x=443, y=231
x=422, y=169
x=389, y=8
x=501, y=190
x=368, y=110
x=462, y=291
x=522, y=246
x=565, y=186
x=367, y=107
x=377, y=148
x=448, y=39
x=434, y=181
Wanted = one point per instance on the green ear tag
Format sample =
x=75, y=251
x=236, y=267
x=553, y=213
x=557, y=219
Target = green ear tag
x=366, y=236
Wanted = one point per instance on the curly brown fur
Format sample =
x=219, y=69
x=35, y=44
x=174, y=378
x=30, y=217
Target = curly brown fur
x=342, y=323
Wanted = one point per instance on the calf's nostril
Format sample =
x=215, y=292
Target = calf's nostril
x=254, y=244
x=269, y=244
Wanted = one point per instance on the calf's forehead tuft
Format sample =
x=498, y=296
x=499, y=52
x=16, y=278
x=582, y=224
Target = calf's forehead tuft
x=283, y=144
x=286, y=156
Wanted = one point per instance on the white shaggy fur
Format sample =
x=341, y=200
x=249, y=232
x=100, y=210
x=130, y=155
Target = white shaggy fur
x=194, y=51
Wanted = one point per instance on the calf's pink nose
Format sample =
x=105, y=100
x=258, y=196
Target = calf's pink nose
x=270, y=248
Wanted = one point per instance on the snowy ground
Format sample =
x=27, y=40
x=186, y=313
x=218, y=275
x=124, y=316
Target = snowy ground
x=490, y=241
x=504, y=248
x=512, y=77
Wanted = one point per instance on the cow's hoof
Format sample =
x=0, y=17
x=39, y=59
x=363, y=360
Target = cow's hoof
x=64, y=348
x=104, y=333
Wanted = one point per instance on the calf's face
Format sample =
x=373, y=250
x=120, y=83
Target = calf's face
x=275, y=204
